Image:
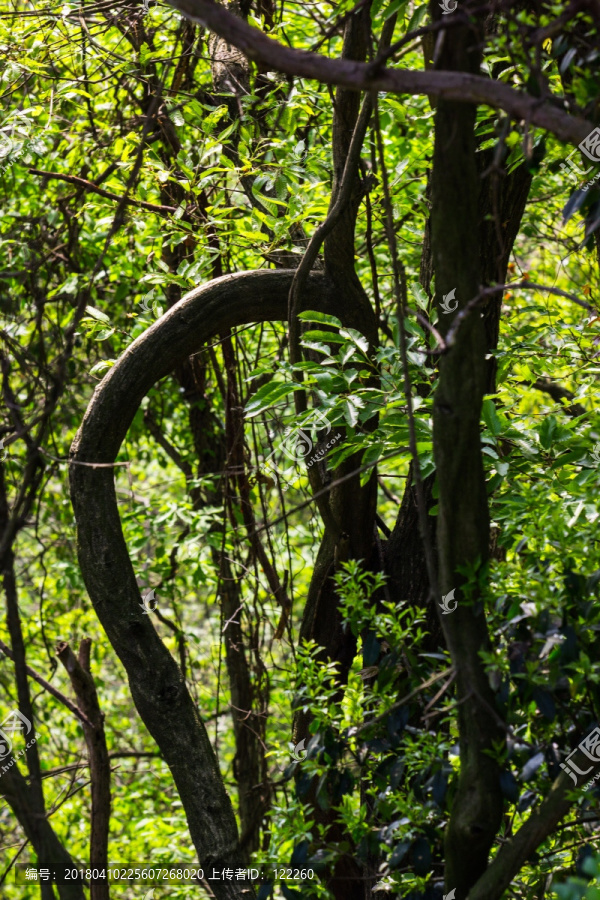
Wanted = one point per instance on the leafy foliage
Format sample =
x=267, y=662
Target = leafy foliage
x=129, y=177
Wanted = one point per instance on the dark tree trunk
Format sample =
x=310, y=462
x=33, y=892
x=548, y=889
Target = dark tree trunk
x=48, y=849
x=463, y=521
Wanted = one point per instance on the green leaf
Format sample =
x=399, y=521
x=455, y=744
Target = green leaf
x=420, y=296
x=398, y=854
x=358, y=339
x=370, y=457
x=417, y=17
x=547, y=431
x=501, y=467
x=329, y=336
x=267, y=395
x=396, y=6
x=102, y=334
x=310, y=315
x=281, y=187
x=102, y=366
x=352, y=407
x=316, y=345
x=346, y=353
x=96, y=314
x=490, y=416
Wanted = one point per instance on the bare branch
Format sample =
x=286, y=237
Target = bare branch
x=559, y=394
x=94, y=189
x=460, y=86
x=48, y=687
x=512, y=855
x=487, y=292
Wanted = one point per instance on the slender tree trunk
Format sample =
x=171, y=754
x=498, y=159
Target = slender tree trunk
x=80, y=675
x=463, y=520
x=48, y=849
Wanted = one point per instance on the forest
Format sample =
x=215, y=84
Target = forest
x=299, y=449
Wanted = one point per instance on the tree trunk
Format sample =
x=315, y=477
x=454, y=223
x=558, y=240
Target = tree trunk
x=158, y=688
x=463, y=520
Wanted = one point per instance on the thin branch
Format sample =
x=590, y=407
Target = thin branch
x=426, y=712
x=558, y=394
x=71, y=462
x=4, y=648
x=331, y=486
x=38, y=830
x=94, y=189
x=344, y=195
x=171, y=451
x=325, y=228
x=13, y=860
x=406, y=699
x=15, y=630
x=484, y=293
x=513, y=854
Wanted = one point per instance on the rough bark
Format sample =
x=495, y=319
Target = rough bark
x=157, y=686
x=212, y=454
x=405, y=560
x=463, y=519
x=230, y=71
x=560, y=395
x=501, y=204
x=502, y=200
x=248, y=720
x=13, y=623
x=249, y=698
x=350, y=507
x=249, y=765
